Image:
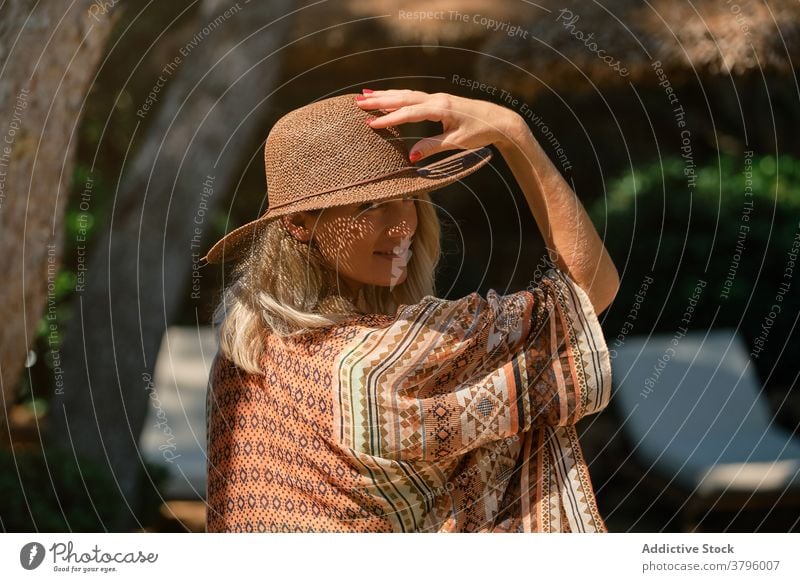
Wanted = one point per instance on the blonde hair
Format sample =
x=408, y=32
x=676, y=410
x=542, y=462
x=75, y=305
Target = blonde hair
x=282, y=286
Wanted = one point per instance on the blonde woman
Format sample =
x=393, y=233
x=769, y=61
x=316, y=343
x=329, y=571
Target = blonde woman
x=345, y=395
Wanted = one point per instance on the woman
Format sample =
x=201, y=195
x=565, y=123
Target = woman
x=345, y=396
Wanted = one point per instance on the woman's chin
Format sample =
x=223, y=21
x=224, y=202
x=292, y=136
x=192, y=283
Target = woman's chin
x=394, y=279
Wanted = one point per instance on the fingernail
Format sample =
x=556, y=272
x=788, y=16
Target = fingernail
x=360, y=97
x=415, y=156
x=370, y=120
x=366, y=90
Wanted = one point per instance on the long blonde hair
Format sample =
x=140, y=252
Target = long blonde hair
x=282, y=286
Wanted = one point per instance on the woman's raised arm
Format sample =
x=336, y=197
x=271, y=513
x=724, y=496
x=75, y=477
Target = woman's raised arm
x=571, y=238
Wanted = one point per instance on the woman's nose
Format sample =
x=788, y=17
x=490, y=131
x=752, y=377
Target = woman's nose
x=402, y=229
x=403, y=218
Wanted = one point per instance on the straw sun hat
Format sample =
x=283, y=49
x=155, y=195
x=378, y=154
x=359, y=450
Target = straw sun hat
x=324, y=154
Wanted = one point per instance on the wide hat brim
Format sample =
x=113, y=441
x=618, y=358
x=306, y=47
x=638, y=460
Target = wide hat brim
x=416, y=180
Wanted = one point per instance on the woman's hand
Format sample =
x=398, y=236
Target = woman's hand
x=466, y=123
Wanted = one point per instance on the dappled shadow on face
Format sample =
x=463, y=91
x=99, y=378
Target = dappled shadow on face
x=366, y=244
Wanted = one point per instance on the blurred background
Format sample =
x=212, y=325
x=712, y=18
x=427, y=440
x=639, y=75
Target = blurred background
x=133, y=135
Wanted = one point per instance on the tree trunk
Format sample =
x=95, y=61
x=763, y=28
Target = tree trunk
x=189, y=156
x=48, y=54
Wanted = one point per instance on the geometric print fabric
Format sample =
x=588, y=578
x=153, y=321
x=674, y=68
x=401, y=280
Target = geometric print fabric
x=450, y=416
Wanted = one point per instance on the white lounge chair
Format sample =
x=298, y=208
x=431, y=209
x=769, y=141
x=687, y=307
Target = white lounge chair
x=694, y=412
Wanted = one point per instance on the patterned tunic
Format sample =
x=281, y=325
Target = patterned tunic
x=449, y=416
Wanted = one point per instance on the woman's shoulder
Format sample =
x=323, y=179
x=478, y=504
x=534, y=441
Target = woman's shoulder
x=442, y=321
x=496, y=308
x=474, y=305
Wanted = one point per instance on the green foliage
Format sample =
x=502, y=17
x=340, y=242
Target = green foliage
x=48, y=491
x=656, y=224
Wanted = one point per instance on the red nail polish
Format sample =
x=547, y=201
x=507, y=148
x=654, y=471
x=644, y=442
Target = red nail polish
x=366, y=91
x=414, y=156
x=360, y=97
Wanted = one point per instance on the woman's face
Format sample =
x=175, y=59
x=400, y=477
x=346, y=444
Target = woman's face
x=365, y=244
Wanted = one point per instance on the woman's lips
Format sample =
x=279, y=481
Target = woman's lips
x=393, y=255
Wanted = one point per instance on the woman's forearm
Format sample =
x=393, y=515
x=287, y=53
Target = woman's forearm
x=561, y=217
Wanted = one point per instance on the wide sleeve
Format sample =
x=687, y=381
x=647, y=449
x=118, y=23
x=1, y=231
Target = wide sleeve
x=445, y=377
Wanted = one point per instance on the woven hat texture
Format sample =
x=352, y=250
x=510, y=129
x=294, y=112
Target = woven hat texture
x=324, y=154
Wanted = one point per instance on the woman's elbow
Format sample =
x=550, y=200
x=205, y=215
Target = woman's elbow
x=600, y=305
x=607, y=290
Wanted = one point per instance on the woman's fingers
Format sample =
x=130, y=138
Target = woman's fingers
x=393, y=100
x=384, y=92
x=407, y=114
x=428, y=146
x=404, y=106
x=407, y=106
x=467, y=123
